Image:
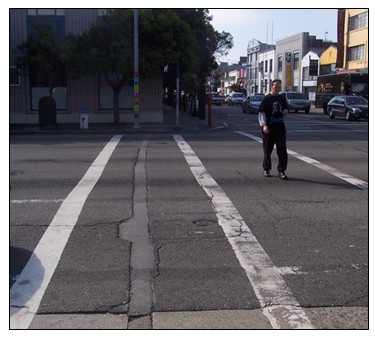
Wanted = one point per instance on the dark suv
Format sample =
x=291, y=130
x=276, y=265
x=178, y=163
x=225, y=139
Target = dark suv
x=296, y=101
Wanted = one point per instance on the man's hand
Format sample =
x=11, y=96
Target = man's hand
x=265, y=129
x=285, y=112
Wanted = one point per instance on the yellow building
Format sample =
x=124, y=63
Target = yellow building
x=328, y=60
x=353, y=39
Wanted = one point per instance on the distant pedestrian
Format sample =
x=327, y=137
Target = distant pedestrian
x=271, y=119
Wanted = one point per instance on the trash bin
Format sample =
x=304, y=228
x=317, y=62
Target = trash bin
x=84, y=118
x=47, y=113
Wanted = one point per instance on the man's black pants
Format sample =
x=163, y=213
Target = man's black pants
x=276, y=135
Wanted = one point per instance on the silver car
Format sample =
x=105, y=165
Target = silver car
x=296, y=101
x=217, y=99
x=236, y=98
x=251, y=103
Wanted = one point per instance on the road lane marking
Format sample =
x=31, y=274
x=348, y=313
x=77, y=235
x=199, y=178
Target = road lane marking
x=59, y=200
x=276, y=299
x=30, y=286
x=345, y=177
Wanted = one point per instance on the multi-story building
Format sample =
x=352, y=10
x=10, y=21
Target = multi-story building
x=291, y=58
x=254, y=48
x=328, y=61
x=310, y=71
x=90, y=92
x=232, y=75
x=289, y=53
x=266, y=70
x=353, y=40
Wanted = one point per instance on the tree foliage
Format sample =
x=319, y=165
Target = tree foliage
x=41, y=58
x=164, y=37
x=174, y=36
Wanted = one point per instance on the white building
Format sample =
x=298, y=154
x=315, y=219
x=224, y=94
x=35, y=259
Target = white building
x=254, y=49
x=266, y=70
x=309, y=81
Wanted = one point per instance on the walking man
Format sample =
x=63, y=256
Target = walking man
x=271, y=119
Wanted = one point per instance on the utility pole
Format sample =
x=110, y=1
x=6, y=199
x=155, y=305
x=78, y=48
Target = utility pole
x=178, y=94
x=136, y=72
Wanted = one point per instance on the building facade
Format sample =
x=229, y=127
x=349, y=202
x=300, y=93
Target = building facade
x=91, y=92
x=266, y=70
x=289, y=53
x=353, y=40
x=233, y=77
x=328, y=61
x=254, y=48
x=309, y=75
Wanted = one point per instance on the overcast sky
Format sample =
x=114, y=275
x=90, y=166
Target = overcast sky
x=248, y=24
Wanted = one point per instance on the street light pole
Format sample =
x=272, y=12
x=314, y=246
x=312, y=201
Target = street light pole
x=136, y=72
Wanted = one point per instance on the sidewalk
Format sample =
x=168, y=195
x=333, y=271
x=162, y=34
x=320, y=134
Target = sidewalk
x=185, y=122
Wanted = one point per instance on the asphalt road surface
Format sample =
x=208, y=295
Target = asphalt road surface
x=179, y=229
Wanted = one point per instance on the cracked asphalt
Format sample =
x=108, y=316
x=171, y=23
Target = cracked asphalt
x=148, y=251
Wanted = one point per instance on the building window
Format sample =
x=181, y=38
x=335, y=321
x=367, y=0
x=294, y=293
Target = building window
x=252, y=73
x=271, y=62
x=356, y=53
x=358, y=21
x=45, y=11
x=14, y=77
x=279, y=63
x=326, y=69
x=266, y=66
x=296, y=61
x=52, y=17
x=102, y=12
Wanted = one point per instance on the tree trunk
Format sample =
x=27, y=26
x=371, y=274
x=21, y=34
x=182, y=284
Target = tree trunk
x=116, y=106
x=202, y=102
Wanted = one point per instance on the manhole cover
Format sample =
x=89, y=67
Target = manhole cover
x=203, y=223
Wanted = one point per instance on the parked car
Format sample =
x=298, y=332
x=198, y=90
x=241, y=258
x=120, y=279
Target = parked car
x=251, y=103
x=348, y=106
x=236, y=98
x=217, y=99
x=296, y=101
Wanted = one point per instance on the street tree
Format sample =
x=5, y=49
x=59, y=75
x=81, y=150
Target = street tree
x=107, y=48
x=40, y=57
x=209, y=45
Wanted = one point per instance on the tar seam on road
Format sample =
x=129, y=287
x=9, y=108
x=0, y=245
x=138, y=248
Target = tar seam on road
x=136, y=231
x=30, y=286
x=345, y=177
x=276, y=299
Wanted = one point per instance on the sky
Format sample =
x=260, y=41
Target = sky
x=248, y=24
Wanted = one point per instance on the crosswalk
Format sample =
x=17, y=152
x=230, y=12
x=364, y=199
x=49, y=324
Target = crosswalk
x=345, y=177
x=28, y=290
x=276, y=300
x=278, y=304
